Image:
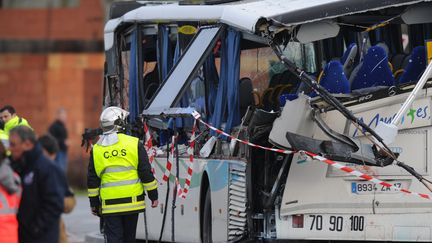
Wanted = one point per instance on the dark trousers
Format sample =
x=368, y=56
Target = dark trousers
x=120, y=229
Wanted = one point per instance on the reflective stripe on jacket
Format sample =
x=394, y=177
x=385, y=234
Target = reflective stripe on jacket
x=116, y=165
x=9, y=204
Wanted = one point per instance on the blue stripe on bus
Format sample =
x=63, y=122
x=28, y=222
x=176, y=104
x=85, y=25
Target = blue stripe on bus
x=353, y=187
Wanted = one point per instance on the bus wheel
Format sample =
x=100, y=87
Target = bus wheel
x=207, y=219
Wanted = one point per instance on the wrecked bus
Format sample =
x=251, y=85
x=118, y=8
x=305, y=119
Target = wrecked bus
x=246, y=100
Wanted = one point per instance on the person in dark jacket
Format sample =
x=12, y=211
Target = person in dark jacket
x=43, y=190
x=50, y=149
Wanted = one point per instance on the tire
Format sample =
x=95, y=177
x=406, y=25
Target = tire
x=207, y=219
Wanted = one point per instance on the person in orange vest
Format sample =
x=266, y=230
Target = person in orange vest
x=10, y=193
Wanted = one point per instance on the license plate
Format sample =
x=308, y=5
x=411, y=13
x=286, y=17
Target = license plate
x=367, y=187
x=335, y=223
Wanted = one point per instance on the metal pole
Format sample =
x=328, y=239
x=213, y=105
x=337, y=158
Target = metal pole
x=412, y=96
x=165, y=209
x=145, y=226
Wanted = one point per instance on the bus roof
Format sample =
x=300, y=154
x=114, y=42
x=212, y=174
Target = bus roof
x=246, y=14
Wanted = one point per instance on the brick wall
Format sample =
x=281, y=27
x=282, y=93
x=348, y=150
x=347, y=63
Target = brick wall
x=81, y=23
x=38, y=85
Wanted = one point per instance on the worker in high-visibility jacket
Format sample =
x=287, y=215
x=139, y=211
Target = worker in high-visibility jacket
x=10, y=194
x=118, y=174
x=11, y=119
x=4, y=138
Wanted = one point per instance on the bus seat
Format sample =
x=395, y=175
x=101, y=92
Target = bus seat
x=246, y=97
x=275, y=80
x=354, y=72
x=266, y=99
x=275, y=95
x=397, y=74
x=405, y=61
x=348, y=59
x=397, y=61
x=415, y=67
x=257, y=98
x=334, y=79
x=284, y=97
x=384, y=46
x=374, y=71
x=281, y=92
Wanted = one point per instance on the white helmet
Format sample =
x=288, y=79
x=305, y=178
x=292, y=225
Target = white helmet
x=109, y=116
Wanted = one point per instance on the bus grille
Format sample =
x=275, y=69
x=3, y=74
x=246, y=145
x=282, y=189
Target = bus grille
x=237, y=202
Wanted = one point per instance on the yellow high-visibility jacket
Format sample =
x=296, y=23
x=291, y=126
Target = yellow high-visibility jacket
x=15, y=121
x=118, y=175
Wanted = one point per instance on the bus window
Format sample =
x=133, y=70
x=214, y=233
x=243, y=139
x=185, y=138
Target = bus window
x=262, y=66
x=303, y=55
x=173, y=85
x=194, y=96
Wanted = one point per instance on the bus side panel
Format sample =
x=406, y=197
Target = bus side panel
x=374, y=227
x=335, y=205
x=187, y=212
x=218, y=171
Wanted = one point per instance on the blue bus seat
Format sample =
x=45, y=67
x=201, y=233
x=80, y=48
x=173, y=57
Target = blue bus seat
x=334, y=79
x=374, y=70
x=415, y=67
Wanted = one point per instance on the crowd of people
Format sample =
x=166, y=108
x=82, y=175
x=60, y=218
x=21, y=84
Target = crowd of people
x=33, y=187
x=34, y=192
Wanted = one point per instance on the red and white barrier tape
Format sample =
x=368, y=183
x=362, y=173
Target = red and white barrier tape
x=151, y=152
x=148, y=145
x=361, y=175
x=190, y=152
x=339, y=166
x=179, y=189
x=197, y=116
x=170, y=160
x=183, y=192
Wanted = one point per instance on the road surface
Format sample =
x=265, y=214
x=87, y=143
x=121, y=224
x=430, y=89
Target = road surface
x=80, y=221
